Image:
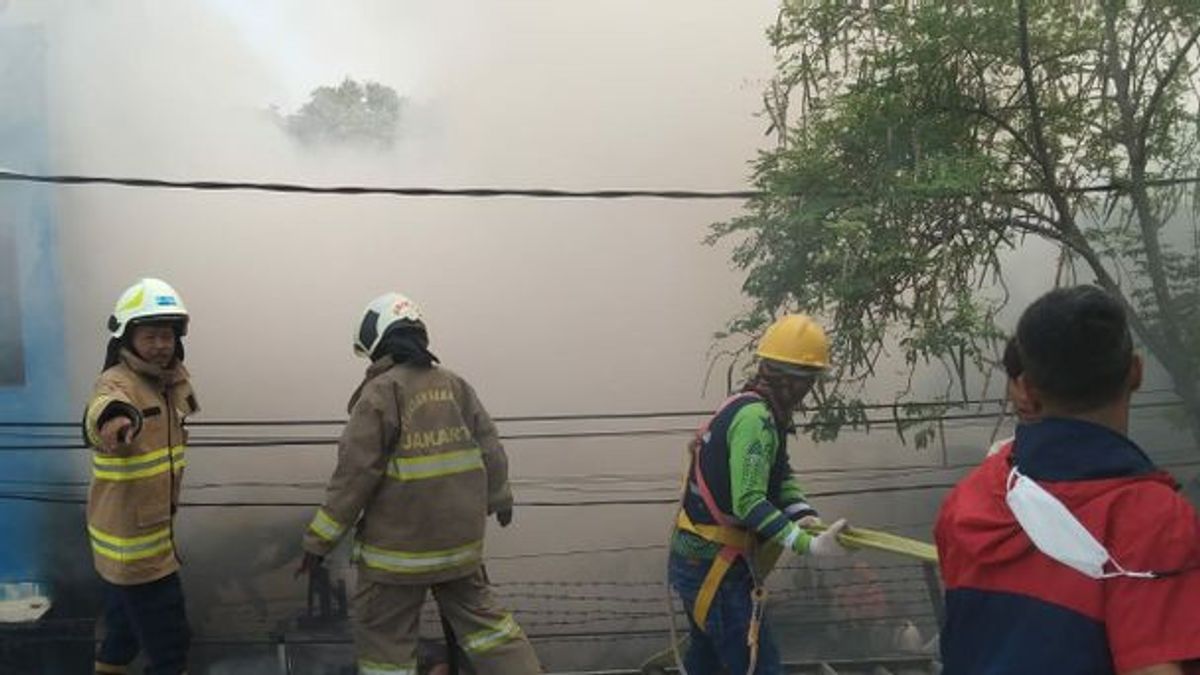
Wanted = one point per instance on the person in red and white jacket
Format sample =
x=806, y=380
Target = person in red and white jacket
x=1068, y=551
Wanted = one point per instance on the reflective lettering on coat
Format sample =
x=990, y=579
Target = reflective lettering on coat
x=423, y=398
x=421, y=440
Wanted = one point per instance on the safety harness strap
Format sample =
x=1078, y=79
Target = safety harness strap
x=735, y=541
x=712, y=581
x=725, y=535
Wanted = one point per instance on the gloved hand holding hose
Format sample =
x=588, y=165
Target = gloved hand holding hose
x=826, y=544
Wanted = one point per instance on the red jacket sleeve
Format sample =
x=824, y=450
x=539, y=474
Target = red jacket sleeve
x=1153, y=621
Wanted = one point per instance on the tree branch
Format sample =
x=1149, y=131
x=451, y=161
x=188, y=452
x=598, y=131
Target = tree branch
x=1078, y=243
x=1042, y=152
x=1000, y=224
x=1173, y=345
x=999, y=122
x=1161, y=88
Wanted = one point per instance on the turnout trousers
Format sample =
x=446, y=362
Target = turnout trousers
x=150, y=618
x=386, y=622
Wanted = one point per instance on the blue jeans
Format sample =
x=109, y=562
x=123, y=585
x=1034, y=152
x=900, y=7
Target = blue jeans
x=719, y=646
x=148, y=617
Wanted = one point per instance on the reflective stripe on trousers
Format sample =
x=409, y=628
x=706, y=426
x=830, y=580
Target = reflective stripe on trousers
x=484, y=641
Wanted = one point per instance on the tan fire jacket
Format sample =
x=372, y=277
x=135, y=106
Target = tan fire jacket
x=135, y=490
x=422, y=463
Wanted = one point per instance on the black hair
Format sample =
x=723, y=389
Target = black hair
x=1012, y=359
x=1076, y=348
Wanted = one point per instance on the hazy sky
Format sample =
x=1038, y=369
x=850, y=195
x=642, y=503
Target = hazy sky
x=548, y=306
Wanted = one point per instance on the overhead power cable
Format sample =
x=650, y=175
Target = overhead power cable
x=653, y=501
x=48, y=498
x=353, y=190
x=535, y=193
x=584, y=417
x=532, y=436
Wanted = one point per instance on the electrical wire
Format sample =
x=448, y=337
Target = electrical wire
x=578, y=417
x=53, y=498
x=540, y=193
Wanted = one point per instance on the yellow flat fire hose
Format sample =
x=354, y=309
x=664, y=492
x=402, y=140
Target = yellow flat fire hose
x=859, y=537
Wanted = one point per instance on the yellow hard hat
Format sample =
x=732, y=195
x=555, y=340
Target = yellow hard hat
x=797, y=340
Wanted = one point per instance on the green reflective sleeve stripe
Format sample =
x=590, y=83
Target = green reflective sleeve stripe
x=107, y=467
x=129, y=549
x=326, y=527
x=435, y=466
x=767, y=520
x=377, y=668
x=422, y=562
x=488, y=639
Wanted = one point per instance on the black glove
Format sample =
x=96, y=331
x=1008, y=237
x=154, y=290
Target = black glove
x=504, y=516
x=308, y=564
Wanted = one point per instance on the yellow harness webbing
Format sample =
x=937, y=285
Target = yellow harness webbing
x=734, y=544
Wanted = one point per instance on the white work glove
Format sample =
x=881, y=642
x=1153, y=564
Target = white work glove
x=810, y=521
x=826, y=544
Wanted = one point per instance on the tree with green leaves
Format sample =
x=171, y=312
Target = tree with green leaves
x=366, y=114
x=919, y=142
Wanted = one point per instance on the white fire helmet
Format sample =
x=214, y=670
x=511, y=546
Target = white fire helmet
x=379, y=315
x=148, y=300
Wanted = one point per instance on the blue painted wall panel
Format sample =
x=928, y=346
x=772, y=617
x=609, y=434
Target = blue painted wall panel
x=33, y=370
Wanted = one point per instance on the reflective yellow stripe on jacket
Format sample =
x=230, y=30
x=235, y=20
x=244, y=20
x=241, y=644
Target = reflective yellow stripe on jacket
x=128, y=549
x=377, y=668
x=435, y=466
x=408, y=562
x=105, y=467
x=325, y=527
x=481, y=642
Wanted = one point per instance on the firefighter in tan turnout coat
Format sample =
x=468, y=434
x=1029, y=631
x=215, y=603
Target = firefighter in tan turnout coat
x=134, y=423
x=420, y=467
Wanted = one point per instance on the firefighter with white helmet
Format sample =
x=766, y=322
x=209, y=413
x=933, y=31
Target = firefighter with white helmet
x=420, y=467
x=742, y=506
x=134, y=422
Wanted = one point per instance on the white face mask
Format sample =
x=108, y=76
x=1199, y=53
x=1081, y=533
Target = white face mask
x=1056, y=532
